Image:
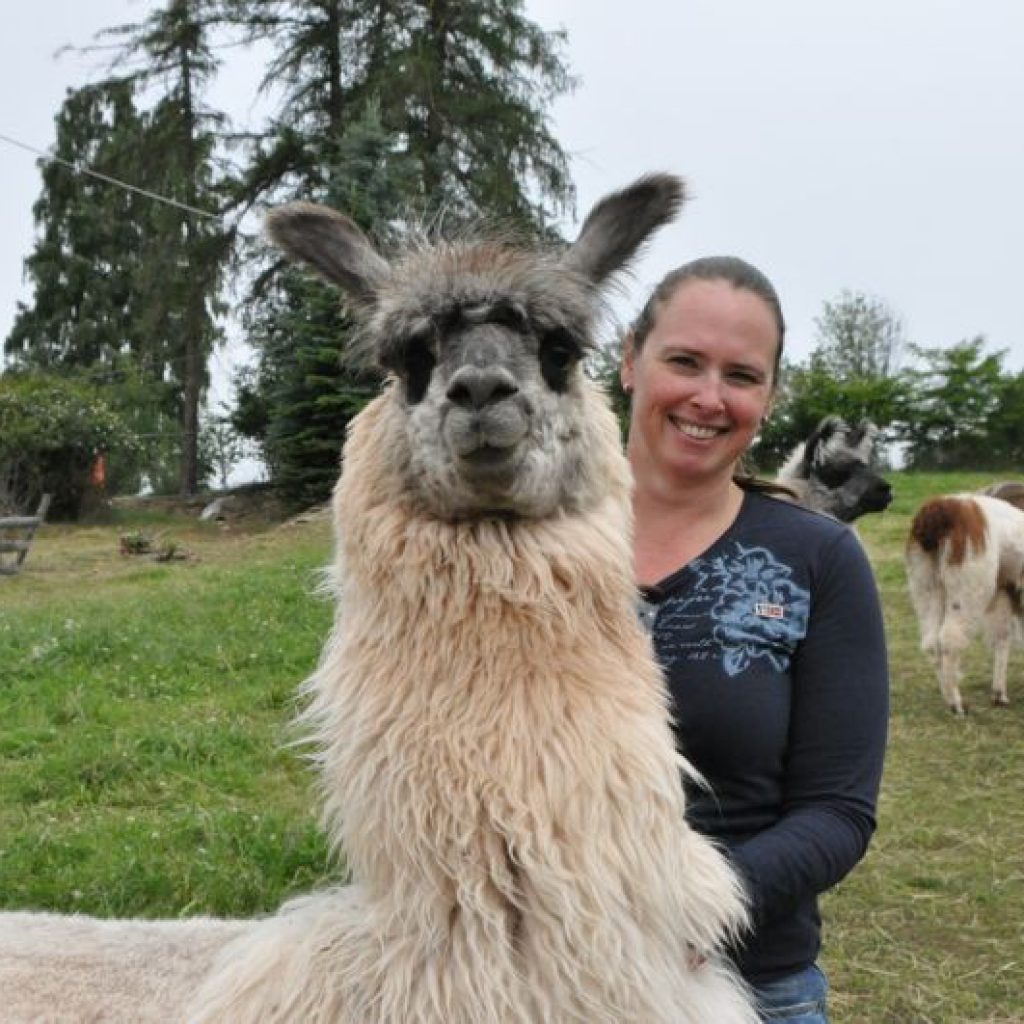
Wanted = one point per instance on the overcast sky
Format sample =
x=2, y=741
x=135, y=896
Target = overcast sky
x=869, y=145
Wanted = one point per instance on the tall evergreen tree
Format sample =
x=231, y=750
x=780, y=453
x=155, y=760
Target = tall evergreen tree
x=170, y=55
x=386, y=109
x=461, y=86
x=97, y=294
x=303, y=391
x=125, y=284
x=85, y=309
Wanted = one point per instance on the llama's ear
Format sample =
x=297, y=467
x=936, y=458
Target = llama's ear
x=863, y=439
x=868, y=429
x=330, y=243
x=619, y=224
x=819, y=436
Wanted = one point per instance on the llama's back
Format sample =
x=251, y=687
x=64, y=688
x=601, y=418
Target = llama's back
x=957, y=553
x=57, y=969
x=329, y=957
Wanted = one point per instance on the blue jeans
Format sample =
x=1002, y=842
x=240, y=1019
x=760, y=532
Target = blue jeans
x=796, y=998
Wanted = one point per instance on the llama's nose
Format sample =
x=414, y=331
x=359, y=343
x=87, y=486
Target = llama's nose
x=475, y=387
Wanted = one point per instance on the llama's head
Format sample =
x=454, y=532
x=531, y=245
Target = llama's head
x=485, y=340
x=836, y=463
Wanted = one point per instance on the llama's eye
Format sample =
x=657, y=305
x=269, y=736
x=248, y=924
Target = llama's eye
x=414, y=363
x=510, y=315
x=559, y=351
x=834, y=475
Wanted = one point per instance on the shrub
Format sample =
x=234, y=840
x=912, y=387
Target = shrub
x=51, y=431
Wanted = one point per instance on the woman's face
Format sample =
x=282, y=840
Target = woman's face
x=701, y=382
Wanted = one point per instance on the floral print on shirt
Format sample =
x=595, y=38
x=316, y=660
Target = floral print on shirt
x=756, y=610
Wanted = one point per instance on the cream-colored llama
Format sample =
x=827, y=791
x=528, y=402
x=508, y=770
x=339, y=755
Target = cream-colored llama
x=494, y=747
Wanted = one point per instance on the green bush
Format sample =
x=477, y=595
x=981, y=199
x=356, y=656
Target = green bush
x=51, y=430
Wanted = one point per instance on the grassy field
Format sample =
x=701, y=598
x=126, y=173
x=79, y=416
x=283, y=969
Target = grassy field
x=145, y=765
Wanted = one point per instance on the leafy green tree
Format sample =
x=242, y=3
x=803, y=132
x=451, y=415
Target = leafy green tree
x=858, y=337
x=809, y=393
x=853, y=372
x=1006, y=426
x=51, y=430
x=959, y=390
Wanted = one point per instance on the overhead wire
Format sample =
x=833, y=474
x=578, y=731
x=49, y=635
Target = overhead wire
x=109, y=179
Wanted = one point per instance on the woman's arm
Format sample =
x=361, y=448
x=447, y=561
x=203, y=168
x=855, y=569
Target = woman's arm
x=837, y=735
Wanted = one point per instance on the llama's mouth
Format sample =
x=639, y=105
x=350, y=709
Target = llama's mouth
x=487, y=436
x=487, y=456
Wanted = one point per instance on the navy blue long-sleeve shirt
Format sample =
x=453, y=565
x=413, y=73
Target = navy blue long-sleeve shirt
x=773, y=650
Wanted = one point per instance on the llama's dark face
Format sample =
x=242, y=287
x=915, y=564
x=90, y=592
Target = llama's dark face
x=848, y=489
x=485, y=342
x=840, y=477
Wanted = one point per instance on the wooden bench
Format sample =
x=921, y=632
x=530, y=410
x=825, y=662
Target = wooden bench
x=16, y=533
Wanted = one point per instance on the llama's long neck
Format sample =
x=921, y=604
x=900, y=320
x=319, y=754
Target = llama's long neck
x=497, y=763
x=464, y=705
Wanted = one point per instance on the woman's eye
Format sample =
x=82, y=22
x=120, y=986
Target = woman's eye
x=686, y=362
x=745, y=377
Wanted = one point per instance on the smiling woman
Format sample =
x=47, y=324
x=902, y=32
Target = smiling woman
x=702, y=381
x=764, y=617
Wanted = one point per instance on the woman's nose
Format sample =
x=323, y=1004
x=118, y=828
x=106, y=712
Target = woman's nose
x=708, y=394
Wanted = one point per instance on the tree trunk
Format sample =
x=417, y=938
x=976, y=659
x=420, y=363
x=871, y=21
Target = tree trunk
x=195, y=301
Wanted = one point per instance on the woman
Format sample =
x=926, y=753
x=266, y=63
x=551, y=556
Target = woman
x=764, y=616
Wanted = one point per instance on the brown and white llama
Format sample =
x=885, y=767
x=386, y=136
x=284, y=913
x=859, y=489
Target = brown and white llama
x=491, y=726
x=965, y=569
x=832, y=470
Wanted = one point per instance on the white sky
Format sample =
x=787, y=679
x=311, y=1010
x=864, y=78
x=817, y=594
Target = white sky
x=872, y=145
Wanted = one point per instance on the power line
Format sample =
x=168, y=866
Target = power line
x=78, y=169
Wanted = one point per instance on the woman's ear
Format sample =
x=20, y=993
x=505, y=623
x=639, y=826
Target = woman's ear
x=626, y=367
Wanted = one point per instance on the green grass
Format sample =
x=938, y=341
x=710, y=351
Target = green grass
x=930, y=927
x=144, y=766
